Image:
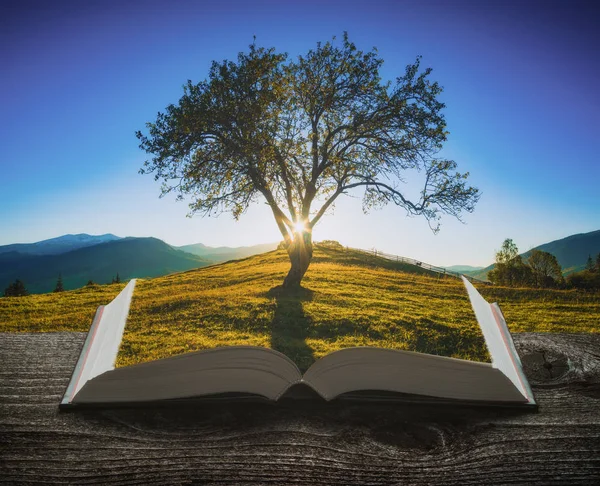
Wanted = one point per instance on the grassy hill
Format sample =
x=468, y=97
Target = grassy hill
x=350, y=299
x=130, y=257
x=571, y=252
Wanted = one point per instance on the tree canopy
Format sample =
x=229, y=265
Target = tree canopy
x=509, y=268
x=545, y=269
x=300, y=133
x=540, y=270
x=16, y=289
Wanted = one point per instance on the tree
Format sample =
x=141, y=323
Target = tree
x=508, y=253
x=598, y=262
x=584, y=280
x=545, y=269
x=509, y=268
x=59, y=284
x=16, y=289
x=300, y=133
x=589, y=264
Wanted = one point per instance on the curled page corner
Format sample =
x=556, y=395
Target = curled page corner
x=99, y=352
x=498, y=340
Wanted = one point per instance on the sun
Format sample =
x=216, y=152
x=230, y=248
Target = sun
x=300, y=226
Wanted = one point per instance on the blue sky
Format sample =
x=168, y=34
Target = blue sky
x=79, y=78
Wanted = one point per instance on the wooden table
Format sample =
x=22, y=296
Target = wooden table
x=316, y=443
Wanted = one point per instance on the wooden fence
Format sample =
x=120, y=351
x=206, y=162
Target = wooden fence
x=411, y=261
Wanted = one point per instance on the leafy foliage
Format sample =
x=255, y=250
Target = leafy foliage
x=16, y=289
x=508, y=253
x=589, y=264
x=586, y=280
x=540, y=270
x=331, y=244
x=299, y=133
x=510, y=269
x=545, y=269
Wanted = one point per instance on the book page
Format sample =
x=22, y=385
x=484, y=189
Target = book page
x=100, y=349
x=498, y=340
x=241, y=369
x=357, y=369
x=347, y=300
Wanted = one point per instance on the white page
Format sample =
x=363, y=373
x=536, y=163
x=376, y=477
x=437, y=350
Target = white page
x=498, y=340
x=100, y=350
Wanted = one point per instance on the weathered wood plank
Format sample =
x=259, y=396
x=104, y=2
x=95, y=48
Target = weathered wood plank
x=315, y=443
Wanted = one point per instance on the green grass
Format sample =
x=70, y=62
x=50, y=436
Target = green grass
x=64, y=311
x=348, y=299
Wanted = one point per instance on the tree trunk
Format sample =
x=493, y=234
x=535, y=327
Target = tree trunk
x=300, y=252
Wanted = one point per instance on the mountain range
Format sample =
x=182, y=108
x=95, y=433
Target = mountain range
x=463, y=268
x=82, y=257
x=55, y=246
x=571, y=252
x=225, y=253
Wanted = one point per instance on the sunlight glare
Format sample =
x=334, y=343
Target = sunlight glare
x=299, y=226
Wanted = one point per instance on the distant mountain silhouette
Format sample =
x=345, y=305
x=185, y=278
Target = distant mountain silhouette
x=225, y=253
x=463, y=268
x=129, y=257
x=571, y=252
x=61, y=244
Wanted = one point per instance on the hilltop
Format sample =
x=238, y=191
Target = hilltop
x=349, y=298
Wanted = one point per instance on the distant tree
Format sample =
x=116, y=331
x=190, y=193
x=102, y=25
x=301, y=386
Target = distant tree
x=300, y=133
x=545, y=269
x=598, y=262
x=589, y=264
x=331, y=244
x=509, y=268
x=16, y=289
x=90, y=283
x=118, y=279
x=584, y=280
x=59, y=284
x=508, y=252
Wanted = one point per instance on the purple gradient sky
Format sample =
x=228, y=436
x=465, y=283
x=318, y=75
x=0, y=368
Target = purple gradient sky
x=79, y=78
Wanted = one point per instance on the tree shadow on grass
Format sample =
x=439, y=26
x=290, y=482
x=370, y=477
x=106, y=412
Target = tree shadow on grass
x=290, y=326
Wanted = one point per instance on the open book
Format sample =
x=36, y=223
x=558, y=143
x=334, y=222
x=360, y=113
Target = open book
x=255, y=372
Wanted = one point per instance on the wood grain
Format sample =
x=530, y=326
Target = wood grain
x=308, y=443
